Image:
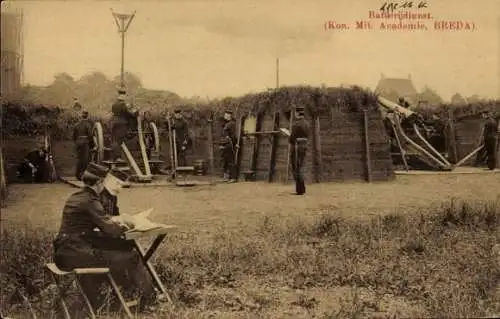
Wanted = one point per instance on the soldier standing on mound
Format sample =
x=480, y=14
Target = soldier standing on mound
x=122, y=119
x=298, y=142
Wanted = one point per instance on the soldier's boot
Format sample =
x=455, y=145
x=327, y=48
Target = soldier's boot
x=226, y=177
x=302, y=188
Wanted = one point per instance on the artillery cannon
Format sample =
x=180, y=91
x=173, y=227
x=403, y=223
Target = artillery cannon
x=404, y=122
x=102, y=136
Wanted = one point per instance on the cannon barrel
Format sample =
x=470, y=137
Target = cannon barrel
x=389, y=105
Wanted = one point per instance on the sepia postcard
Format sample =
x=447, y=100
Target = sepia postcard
x=250, y=159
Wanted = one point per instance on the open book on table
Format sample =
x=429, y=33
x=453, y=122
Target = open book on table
x=139, y=222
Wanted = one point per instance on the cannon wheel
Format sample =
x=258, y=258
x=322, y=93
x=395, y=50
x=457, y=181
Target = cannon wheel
x=98, y=136
x=156, y=136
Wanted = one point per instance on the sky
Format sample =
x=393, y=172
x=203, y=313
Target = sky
x=220, y=48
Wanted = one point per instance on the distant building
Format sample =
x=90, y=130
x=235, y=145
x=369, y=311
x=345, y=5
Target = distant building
x=394, y=88
x=11, y=70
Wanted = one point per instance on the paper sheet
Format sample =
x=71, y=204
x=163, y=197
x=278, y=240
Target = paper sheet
x=139, y=221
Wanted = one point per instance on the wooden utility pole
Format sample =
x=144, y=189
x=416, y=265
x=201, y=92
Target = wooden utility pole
x=123, y=22
x=277, y=73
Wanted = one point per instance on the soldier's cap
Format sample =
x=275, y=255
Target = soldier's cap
x=177, y=111
x=228, y=112
x=95, y=172
x=299, y=108
x=122, y=91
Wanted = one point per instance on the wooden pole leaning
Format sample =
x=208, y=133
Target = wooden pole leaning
x=171, y=144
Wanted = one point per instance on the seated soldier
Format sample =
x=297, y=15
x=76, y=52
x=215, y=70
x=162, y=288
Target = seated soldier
x=89, y=238
x=34, y=168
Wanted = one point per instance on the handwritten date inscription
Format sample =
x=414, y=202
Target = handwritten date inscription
x=391, y=6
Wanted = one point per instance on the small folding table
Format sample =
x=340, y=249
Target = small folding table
x=160, y=234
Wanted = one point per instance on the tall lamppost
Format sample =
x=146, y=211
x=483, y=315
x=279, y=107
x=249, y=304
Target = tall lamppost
x=123, y=21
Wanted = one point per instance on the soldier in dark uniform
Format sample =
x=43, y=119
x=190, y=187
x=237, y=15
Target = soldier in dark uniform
x=482, y=155
x=228, y=146
x=298, y=142
x=149, y=139
x=182, y=140
x=34, y=168
x=79, y=244
x=82, y=137
x=123, y=119
x=491, y=140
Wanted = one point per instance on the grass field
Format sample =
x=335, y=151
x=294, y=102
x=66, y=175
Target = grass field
x=253, y=250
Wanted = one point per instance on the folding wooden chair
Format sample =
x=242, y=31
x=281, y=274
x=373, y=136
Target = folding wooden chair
x=76, y=273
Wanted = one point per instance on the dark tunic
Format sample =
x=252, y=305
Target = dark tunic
x=181, y=130
x=229, y=132
x=82, y=136
x=82, y=133
x=122, y=119
x=228, y=138
x=490, y=129
x=490, y=142
x=300, y=129
x=82, y=213
x=227, y=146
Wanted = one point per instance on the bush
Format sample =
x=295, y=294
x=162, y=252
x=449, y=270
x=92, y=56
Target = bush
x=440, y=259
x=27, y=119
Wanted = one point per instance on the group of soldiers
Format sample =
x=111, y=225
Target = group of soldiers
x=297, y=140
x=124, y=119
x=90, y=237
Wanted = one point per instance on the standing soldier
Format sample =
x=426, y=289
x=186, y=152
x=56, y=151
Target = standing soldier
x=482, y=155
x=121, y=120
x=298, y=142
x=148, y=134
x=182, y=139
x=82, y=137
x=228, y=145
x=491, y=140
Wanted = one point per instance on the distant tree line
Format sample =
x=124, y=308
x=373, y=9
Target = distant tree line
x=96, y=93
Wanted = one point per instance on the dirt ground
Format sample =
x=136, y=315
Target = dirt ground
x=204, y=208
